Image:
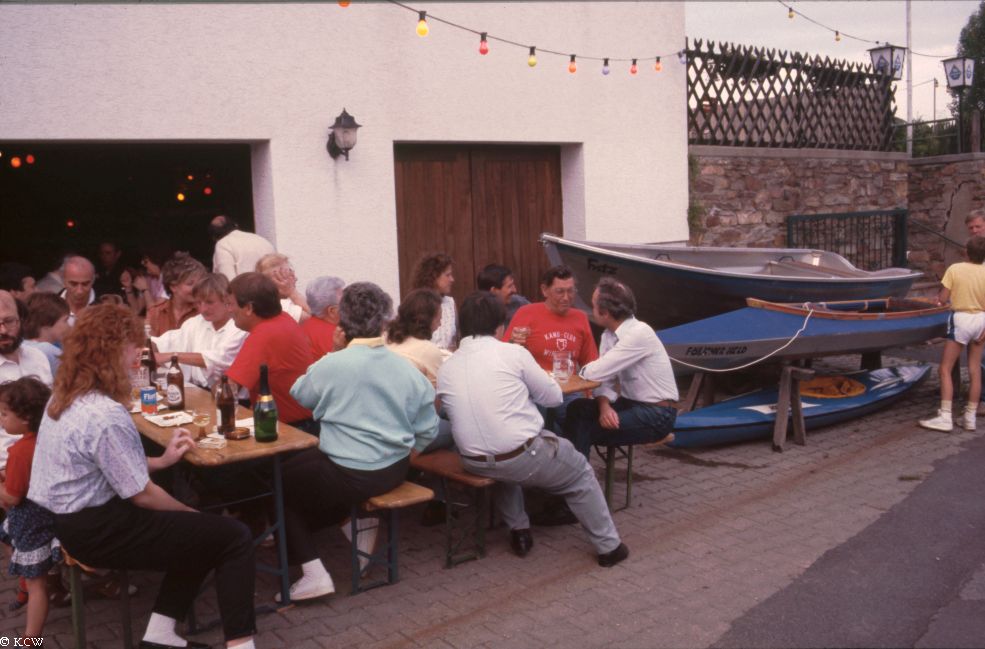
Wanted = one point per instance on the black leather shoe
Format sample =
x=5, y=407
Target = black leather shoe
x=521, y=541
x=553, y=515
x=610, y=559
x=145, y=644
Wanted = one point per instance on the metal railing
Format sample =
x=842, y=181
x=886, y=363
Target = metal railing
x=870, y=240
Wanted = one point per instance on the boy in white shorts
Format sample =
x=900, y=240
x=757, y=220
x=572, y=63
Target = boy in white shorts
x=964, y=285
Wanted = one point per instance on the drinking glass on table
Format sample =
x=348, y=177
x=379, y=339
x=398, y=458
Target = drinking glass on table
x=562, y=366
x=202, y=417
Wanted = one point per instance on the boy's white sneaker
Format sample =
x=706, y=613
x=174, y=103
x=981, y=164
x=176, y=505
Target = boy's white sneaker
x=941, y=422
x=968, y=420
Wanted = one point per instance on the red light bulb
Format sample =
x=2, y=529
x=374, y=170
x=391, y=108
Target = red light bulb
x=633, y=69
x=29, y=159
x=483, y=45
x=207, y=191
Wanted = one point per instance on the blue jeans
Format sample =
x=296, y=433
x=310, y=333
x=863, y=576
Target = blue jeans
x=639, y=423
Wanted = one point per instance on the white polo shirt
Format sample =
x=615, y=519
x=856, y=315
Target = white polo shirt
x=218, y=347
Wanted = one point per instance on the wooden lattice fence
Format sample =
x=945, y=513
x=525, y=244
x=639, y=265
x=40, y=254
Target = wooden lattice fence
x=758, y=97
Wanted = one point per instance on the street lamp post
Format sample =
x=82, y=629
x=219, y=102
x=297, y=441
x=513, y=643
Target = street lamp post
x=887, y=60
x=959, y=73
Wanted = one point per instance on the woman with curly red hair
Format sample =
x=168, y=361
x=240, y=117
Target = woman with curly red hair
x=91, y=472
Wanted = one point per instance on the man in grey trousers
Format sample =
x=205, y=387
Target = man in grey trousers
x=490, y=390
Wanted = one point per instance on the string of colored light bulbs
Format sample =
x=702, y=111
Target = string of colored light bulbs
x=423, y=29
x=791, y=13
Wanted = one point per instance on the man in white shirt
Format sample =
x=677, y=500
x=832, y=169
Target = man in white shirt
x=490, y=390
x=236, y=252
x=636, y=402
x=79, y=274
x=207, y=344
x=16, y=360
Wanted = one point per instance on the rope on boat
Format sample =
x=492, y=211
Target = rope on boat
x=758, y=360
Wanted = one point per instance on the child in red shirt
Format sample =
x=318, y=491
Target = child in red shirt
x=29, y=529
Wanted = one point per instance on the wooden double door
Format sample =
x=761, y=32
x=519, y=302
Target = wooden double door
x=481, y=204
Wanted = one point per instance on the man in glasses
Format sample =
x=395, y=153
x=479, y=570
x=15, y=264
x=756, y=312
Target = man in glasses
x=16, y=360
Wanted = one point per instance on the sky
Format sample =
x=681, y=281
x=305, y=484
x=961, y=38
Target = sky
x=935, y=27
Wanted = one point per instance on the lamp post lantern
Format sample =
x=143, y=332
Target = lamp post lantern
x=959, y=72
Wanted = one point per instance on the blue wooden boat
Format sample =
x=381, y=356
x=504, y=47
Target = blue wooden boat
x=678, y=284
x=751, y=416
x=797, y=331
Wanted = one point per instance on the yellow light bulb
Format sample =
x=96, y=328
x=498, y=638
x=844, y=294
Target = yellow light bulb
x=422, y=24
x=790, y=13
x=180, y=197
x=532, y=59
x=838, y=36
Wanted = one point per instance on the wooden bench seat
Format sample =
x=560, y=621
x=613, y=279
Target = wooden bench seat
x=75, y=570
x=447, y=466
x=389, y=505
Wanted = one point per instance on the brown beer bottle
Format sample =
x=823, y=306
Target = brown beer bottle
x=176, y=385
x=226, y=402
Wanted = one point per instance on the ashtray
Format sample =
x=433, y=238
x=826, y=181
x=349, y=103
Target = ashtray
x=240, y=432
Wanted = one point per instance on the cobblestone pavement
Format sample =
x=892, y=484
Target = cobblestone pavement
x=711, y=532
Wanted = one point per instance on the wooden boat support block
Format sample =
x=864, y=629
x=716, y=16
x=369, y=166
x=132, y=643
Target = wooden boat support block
x=788, y=406
x=405, y=495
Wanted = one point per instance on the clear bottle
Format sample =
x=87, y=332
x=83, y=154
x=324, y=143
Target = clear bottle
x=226, y=402
x=176, y=385
x=147, y=362
x=265, y=411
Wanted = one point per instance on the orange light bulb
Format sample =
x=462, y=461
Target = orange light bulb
x=180, y=197
x=657, y=65
x=572, y=66
x=15, y=162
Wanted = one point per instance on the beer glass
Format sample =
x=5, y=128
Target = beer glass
x=562, y=366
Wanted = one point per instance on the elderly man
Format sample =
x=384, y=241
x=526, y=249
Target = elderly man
x=236, y=252
x=323, y=294
x=180, y=275
x=206, y=344
x=79, y=275
x=374, y=410
x=489, y=389
x=636, y=402
x=499, y=281
x=16, y=360
x=276, y=341
x=278, y=268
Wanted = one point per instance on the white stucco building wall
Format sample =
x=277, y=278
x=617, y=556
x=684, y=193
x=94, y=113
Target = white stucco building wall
x=276, y=75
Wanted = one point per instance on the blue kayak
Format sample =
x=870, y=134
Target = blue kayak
x=751, y=416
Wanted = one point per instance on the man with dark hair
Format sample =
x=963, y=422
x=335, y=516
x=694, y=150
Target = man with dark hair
x=636, y=402
x=109, y=271
x=490, y=390
x=553, y=327
x=274, y=340
x=236, y=251
x=499, y=281
x=16, y=279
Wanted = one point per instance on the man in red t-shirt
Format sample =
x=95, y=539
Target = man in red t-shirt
x=276, y=341
x=552, y=325
x=323, y=295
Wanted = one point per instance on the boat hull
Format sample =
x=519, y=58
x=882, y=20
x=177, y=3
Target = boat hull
x=669, y=294
x=751, y=416
x=747, y=335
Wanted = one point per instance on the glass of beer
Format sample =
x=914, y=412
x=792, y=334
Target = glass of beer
x=202, y=417
x=519, y=335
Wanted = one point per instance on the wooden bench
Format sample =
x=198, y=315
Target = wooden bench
x=75, y=570
x=388, y=504
x=447, y=466
x=611, y=454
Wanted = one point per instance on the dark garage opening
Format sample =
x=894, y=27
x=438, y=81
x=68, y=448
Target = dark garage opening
x=57, y=198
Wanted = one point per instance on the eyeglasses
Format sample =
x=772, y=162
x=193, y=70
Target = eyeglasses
x=9, y=323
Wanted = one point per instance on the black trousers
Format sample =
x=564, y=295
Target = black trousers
x=183, y=545
x=319, y=493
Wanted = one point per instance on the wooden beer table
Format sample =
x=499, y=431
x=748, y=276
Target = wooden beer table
x=288, y=439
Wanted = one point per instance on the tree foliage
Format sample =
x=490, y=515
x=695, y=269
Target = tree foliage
x=971, y=43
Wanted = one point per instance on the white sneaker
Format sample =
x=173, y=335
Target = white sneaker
x=941, y=422
x=968, y=420
x=310, y=588
x=369, y=530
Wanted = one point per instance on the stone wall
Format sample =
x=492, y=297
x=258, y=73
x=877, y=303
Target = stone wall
x=942, y=191
x=743, y=196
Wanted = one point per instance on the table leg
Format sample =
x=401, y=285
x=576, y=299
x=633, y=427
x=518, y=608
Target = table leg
x=283, y=568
